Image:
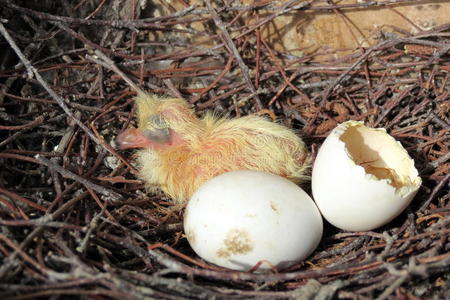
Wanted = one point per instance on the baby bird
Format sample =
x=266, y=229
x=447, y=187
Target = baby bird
x=181, y=151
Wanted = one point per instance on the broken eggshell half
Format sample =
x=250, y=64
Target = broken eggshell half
x=362, y=177
x=240, y=218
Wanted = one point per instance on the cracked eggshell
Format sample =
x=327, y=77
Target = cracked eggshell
x=240, y=218
x=362, y=177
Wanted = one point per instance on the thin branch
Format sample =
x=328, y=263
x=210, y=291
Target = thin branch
x=32, y=71
x=106, y=62
x=67, y=174
x=229, y=42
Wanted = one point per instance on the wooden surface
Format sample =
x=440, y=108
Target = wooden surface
x=333, y=33
x=311, y=32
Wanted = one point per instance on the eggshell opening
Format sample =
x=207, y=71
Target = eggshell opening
x=380, y=155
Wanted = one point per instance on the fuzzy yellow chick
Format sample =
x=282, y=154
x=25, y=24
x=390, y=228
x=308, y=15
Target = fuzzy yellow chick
x=181, y=151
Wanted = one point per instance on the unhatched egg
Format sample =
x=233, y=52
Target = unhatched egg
x=362, y=177
x=240, y=218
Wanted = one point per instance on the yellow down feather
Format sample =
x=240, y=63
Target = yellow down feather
x=209, y=146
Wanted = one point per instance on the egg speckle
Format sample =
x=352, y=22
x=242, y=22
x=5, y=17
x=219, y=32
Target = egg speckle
x=240, y=218
x=237, y=241
x=362, y=177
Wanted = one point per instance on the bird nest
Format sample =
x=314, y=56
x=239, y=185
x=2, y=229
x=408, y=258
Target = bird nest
x=76, y=221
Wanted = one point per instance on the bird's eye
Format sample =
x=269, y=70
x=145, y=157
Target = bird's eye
x=157, y=135
x=157, y=121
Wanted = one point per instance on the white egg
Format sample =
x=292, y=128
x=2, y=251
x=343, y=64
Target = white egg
x=362, y=177
x=240, y=218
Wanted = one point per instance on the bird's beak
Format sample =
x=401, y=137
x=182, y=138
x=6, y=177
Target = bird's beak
x=137, y=138
x=131, y=138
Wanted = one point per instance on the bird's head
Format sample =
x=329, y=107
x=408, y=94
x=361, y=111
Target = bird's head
x=162, y=122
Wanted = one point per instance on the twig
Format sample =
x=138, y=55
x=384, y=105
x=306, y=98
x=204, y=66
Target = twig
x=229, y=42
x=38, y=121
x=109, y=64
x=31, y=70
x=436, y=189
x=355, y=65
x=120, y=24
x=67, y=174
x=9, y=261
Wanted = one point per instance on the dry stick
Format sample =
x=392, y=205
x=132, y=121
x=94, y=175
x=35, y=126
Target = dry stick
x=93, y=224
x=62, y=145
x=284, y=9
x=36, y=122
x=225, y=70
x=23, y=200
x=119, y=24
x=174, y=266
x=362, y=5
x=345, y=269
x=439, y=161
x=49, y=217
x=7, y=264
x=109, y=64
x=288, y=81
x=173, y=90
x=67, y=174
x=330, y=89
x=434, y=192
x=9, y=261
x=32, y=71
x=229, y=42
x=24, y=255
